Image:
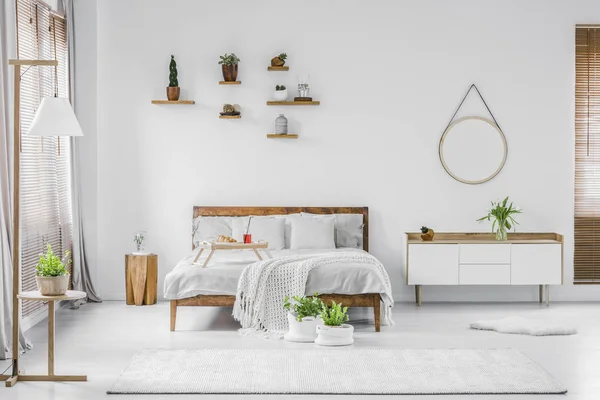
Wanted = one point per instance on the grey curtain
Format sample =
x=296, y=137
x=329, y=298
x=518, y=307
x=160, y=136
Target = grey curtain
x=7, y=51
x=81, y=271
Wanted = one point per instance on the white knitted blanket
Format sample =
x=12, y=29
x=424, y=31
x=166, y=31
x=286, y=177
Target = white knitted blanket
x=263, y=286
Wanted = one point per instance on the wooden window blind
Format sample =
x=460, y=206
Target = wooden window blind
x=587, y=155
x=45, y=174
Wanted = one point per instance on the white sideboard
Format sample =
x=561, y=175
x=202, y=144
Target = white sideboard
x=480, y=259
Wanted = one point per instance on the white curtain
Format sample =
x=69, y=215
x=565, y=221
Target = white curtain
x=81, y=272
x=7, y=51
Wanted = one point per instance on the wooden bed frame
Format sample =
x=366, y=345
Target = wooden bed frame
x=353, y=300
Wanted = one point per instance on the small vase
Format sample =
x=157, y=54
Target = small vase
x=277, y=62
x=280, y=95
x=230, y=72
x=173, y=93
x=52, y=285
x=281, y=125
x=501, y=233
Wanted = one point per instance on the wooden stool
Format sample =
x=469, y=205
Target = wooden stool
x=141, y=278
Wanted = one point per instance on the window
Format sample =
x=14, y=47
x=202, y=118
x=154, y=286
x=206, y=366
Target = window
x=587, y=155
x=45, y=174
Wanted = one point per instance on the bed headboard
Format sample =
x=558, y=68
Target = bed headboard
x=245, y=211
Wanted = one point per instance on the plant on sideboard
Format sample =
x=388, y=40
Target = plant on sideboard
x=427, y=234
x=52, y=276
x=279, y=61
x=334, y=332
x=173, y=88
x=229, y=65
x=502, y=216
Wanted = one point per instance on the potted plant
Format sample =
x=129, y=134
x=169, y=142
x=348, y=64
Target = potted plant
x=140, y=239
x=51, y=275
x=278, y=61
x=229, y=65
x=303, y=317
x=427, y=234
x=173, y=88
x=502, y=214
x=334, y=332
x=280, y=93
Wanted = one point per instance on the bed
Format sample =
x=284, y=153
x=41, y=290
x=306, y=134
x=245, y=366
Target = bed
x=190, y=285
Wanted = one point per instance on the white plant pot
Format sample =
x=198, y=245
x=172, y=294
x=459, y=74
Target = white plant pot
x=305, y=331
x=335, y=335
x=280, y=95
x=52, y=285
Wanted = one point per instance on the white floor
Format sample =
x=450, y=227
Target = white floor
x=99, y=339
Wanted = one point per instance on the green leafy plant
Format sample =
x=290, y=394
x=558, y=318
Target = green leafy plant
x=173, y=82
x=282, y=56
x=280, y=87
x=303, y=306
x=229, y=59
x=139, y=238
x=51, y=265
x=334, y=315
x=424, y=229
x=502, y=214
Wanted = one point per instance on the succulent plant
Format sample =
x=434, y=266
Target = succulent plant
x=280, y=87
x=228, y=108
x=173, y=73
x=282, y=56
x=229, y=59
x=424, y=229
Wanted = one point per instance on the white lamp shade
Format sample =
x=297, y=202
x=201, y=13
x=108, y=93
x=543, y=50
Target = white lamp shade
x=55, y=117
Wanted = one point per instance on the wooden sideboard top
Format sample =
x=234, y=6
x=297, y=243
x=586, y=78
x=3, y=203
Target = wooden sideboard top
x=487, y=238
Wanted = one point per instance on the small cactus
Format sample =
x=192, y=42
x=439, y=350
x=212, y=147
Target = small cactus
x=173, y=73
x=280, y=87
x=282, y=56
x=424, y=229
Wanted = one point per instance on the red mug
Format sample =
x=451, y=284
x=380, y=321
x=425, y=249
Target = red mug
x=247, y=238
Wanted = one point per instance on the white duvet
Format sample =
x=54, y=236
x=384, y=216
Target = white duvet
x=225, y=267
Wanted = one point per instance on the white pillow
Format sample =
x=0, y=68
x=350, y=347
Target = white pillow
x=312, y=233
x=348, y=228
x=209, y=228
x=268, y=229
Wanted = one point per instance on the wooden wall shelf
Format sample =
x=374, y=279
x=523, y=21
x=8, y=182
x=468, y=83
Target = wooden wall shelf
x=173, y=102
x=293, y=103
x=230, y=116
x=279, y=136
x=284, y=68
x=230, y=83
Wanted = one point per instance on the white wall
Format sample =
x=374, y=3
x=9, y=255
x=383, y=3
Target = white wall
x=389, y=75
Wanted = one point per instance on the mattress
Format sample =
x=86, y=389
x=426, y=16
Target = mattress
x=221, y=275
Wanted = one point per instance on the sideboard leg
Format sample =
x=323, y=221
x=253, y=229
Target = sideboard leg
x=418, y=294
x=541, y=294
x=547, y=295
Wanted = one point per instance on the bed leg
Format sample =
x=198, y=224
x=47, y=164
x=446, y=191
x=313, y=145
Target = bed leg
x=377, y=311
x=173, y=314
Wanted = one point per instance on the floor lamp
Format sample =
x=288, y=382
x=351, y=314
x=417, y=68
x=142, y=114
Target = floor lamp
x=54, y=117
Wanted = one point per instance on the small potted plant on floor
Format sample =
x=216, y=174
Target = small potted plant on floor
x=173, y=88
x=229, y=65
x=303, y=317
x=52, y=277
x=279, y=61
x=280, y=93
x=334, y=332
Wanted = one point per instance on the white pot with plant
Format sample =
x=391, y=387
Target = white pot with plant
x=140, y=243
x=51, y=275
x=280, y=93
x=334, y=332
x=303, y=318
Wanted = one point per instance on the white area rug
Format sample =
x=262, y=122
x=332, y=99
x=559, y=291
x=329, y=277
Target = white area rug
x=524, y=326
x=334, y=371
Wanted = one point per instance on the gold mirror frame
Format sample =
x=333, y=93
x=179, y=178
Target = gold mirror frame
x=441, y=153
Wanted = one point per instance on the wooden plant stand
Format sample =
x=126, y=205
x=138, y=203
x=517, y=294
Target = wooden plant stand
x=141, y=279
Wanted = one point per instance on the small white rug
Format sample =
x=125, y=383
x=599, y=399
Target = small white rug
x=524, y=326
x=334, y=371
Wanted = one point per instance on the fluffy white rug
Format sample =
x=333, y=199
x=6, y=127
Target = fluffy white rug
x=350, y=370
x=524, y=326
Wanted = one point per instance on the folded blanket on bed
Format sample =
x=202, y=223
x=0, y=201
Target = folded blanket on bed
x=263, y=286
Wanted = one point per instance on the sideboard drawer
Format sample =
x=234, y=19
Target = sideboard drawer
x=484, y=253
x=484, y=274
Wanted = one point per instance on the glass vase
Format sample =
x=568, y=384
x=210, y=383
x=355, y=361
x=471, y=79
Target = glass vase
x=501, y=233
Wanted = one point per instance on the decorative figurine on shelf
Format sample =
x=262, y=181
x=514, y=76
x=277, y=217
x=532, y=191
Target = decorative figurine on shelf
x=140, y=243
x=229, y=66
x=280, y=93
x=279, y=61
x=281, y=125
x=427, y=234
x=173, y=88
x=303, y=88
x=229, y=110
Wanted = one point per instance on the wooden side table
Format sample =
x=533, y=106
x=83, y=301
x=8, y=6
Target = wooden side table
x=141, y=278
x=37, y=296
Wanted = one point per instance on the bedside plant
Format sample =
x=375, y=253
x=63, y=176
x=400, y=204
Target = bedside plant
x=334, y=332
x=279, y=61
x=502, y=214
x=173, y=89
x=229, y=65
x=52, y=277
x=301, y=307
x=140, y=239
x=303, y=317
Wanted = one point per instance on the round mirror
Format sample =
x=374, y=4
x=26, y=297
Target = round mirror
x=473, y=150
